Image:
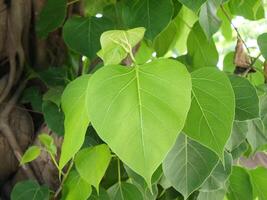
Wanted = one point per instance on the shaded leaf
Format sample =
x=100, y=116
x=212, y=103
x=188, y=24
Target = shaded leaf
x=123, y=191
x=188, y=165
x=29, y=190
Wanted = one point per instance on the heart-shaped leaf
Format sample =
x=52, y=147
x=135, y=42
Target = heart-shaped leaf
x=212, y=111
x=92, y=163
x=188, y=165
x=139, y=111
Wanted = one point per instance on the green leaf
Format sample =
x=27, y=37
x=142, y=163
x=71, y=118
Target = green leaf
x=82, y=34
x=208, y=18
x=240, y=186
x=31, y=154
x=226, y=27
x=123, y=191
x=262, y=42
x=257, y=135
x=202, y=51
x=103, y=195
x=240, y=150
x=144, y=53
x=252, y=9
x=193, y=4
x=51, y=17
x=219, y=175
x=76, y=188
x=137, y=129
x=92, y=163
x=54, y=76
x=74, y=103
x=29, y=190
x=228, y=63
x=48, y=142
x=211, y=195
x=259, y=179
x=238, y=135
x=176, y=33
x=246, y=99
x=54, y=117
x=188, y=165
x=211, y=115
x=33, y=96
x=93, y=7
x=54, y=95
x=145, y=13
x=184, y=22
x=117, y=44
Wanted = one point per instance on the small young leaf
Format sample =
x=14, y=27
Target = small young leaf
x=76, y=188
x=211, y=115
x=31, y=154
x=48, y=142
x=29, y=190
x=74, y=104
x=92, y=163
x=116, y=44
x=141, y=94
x=186, y=161
x=240, y=186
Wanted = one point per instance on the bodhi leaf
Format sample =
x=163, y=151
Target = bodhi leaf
x=123, y=191
x=258, y=178
x=92, y=163
x=211, y=195
x=208, y=18
x=211, y=114
x=202, y=51
x=246, y=99
x=240, y=186
x=48, y=142
x=74, y=103
x=262, y=42
x=238, y=135
x=82, y=34
x=145, y=13
x=193, y=4
x=219, y=175
x=31, y=154
x=55, y=10
x=132, y=109
x=257, y=134
x=29, y=190
x=76, y=188
x=117, y=44
x=188, y=165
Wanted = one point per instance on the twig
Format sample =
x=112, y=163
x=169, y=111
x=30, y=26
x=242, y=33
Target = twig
x=237, y=31
x=72, y=2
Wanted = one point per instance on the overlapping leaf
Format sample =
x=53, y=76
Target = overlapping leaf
x=188, y=165
x=74, y=104
x=211, y=115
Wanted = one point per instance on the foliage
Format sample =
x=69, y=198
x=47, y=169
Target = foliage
x=152, y=100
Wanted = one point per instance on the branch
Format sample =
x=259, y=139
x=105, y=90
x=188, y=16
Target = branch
x=236, y=29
